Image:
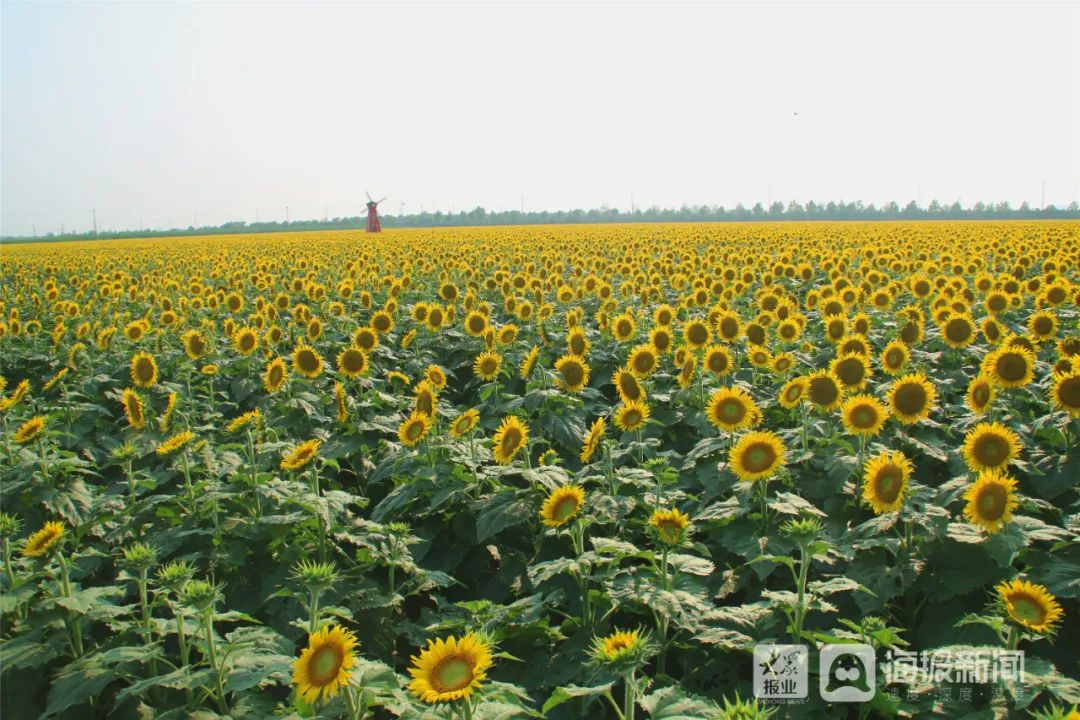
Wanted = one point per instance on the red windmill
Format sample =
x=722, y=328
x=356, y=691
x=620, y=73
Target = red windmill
x=373, y=224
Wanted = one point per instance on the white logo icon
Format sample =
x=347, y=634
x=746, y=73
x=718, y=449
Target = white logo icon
x=848, y=673
x=780, y=672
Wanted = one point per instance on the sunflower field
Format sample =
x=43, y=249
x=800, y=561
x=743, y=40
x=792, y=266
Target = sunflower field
x=563, y=472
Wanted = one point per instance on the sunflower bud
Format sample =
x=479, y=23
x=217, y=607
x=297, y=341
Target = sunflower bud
x=140, y=556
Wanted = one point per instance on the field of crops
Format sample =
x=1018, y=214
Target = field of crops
x=565, y=472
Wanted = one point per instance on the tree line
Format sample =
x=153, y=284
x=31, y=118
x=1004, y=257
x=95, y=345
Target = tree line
x=777, y=211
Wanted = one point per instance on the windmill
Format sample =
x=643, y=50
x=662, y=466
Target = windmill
x=373, y=224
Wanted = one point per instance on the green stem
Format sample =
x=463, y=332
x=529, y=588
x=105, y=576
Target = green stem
x=629, y=699
x=313, y=624
x=763, y=484
x=1013, y=640
x=148, y=631
x=614, y=705
x=254, y=473
x=6, y=549
x=74, y=623
x=41, y=458
x=211, y=657
x=800, y=610
x=353, y=715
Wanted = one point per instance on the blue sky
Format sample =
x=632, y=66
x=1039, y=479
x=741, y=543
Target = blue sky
x=157, y=113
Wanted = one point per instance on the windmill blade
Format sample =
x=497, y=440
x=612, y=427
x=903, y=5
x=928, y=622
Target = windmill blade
x=380, y=202
x=368, y=196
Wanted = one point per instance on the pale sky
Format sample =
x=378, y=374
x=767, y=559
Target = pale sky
x=154, y=113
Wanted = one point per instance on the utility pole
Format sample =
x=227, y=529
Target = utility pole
x=61, y=228
x=401, y=210
x=95, y=223
x=631, y=202
x=523, y=204
x=918, y=203
x=35, y=230
x=1043, y=204
x=324, y=213
x=195, y=223
x=286, y=214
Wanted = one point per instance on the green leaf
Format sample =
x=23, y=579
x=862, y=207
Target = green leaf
x=672, y=703
x=506, y=509
x=570, y=692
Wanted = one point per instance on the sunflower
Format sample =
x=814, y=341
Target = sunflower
x=414, y=428
x=718, y=360
x=895, y=357
x=756, y=456
x=1010, y=366
x=366, y=338
x=759, y=356
x=642, y=361
x=990, y=445
x=670, y=525
x=623, y=327
x=980, y=394
x=144, y=370
x=382, y=321
x=618, y=645
x=686, y=371
x=1043, y=325
x=782, y=363
x=512, y=435
x=166, y=417
x=253, y=417
x=885, y=481
x=912, y=397
x=245, y=341
x=301, y=455
x=44, y=539
x=574, y=373
x=195, y=345
x=852, y=369
x=450, y=669
x=958, y=330
x=824, y=390
x=697, y=334
x=352, y=362
x=1029, y=605
x=426, y=398
x=794, y=391
x=576, y=342
x=174, y=443
x=732, y=409
x=324, y=666
x=508, y=334
x=133, y=408
x=592, y=439
x=627, y=386
x=476, y=323
x=528, y=362
x=465, y=422
x=632, y=415
x=562, y=505
x=341, y=403
x=990, y=500
x=275, y=375
x=436, y=318
x=407, y=339
x=29, y=430
x=487, y=364
x=436, y=376
x=661, y=339
x=1065, y=393
x=306, y=361
x=864, y=415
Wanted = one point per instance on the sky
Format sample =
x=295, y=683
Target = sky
x=172, y=114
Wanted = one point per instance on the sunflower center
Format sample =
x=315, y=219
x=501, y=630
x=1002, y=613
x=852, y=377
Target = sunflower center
x=1027, y=609
x=144, y=370
x=910, y=332
x=823, y=391
x=850, y=371
x=353, y=361
x=863, y=417
x=565, y=508
x=888, y=483
x=981, y=394
x=697, y=334
x=996, y=303
x=991, y=450
x=629, y=387
x=413, y=430
x=894, y=358
x=669, y=530
x=1069, y=392
x=324, y=665
x=643, y=362
x=910, y=398
x=793, y=393
x=732, y=410
x=573, y=374
x=247, y=341
x=307, y=361
x=718, y=362
x=1043, y=326
x=759, y=457
x=510, y=440
x=1012, y=367
x=992, y=502
x=452, y=674
x=623, y=328
x=632, y=417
